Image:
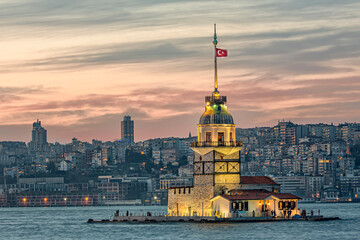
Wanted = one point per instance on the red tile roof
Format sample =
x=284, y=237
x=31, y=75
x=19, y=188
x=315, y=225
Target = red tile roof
x=257, y=180
x=247, y=194
x=256, y=195
x=286, y=196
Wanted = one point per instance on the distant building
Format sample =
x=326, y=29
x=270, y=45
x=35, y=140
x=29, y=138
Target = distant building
x=127, y=129
x=65, y=165
x=38, y=137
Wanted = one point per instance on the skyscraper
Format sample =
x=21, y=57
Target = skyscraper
x=38, y=137
x=127, y=129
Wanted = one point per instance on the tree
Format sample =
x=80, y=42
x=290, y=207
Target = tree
x=183, y=161
x=51, y=167
x=355, y=151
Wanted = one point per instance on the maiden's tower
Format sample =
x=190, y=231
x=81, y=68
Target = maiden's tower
x=218, y=188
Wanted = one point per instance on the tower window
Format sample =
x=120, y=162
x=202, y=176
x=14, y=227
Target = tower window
x=208, y=137
x=221, y=138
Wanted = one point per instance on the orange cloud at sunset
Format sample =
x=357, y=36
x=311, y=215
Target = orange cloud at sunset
x=80, y=66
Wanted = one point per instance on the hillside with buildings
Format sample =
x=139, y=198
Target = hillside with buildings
x=314, y=161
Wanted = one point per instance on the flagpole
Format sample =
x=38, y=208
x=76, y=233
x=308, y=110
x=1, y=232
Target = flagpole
x=215, y=59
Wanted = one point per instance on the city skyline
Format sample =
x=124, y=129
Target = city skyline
x=80, y=67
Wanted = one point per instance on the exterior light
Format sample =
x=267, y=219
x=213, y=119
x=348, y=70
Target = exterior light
x=86, y=199
x=24, y=199
x=45, y=199
x=65, y=199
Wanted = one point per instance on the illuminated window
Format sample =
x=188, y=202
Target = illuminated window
x=241, y=206
x=235, y=206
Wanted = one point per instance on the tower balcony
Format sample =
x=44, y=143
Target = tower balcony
x=213, y=99
x=217, y=144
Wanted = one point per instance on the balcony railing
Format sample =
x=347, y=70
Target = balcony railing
x=217, y=144
x=221, y=99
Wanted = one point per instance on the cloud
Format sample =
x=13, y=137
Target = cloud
x=287, y=59
x=13, y=94
x=112, y=55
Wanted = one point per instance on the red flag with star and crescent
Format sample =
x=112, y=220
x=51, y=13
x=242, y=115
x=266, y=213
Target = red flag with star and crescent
x=221, y=52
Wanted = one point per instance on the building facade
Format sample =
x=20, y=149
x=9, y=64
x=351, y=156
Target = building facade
x=127, y=129
x=38, y=137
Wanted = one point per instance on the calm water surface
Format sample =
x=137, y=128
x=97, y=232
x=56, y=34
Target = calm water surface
x=70, y=223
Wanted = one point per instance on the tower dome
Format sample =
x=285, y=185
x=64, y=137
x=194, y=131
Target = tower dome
x=216, y=112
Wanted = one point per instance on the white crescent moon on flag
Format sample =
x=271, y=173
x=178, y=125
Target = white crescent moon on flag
x=220, y=52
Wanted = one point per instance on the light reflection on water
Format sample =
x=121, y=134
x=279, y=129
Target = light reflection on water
x=70, y=223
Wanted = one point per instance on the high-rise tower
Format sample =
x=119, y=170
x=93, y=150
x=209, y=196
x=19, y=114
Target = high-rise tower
x=127, y=129
x=38, y=137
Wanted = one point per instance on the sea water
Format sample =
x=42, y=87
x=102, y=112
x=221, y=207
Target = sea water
x=70, y=223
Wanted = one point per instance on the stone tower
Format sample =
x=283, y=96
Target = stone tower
x=216, y=158
x=216, y=152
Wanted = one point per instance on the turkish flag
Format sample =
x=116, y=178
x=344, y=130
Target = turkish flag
x=221, y=52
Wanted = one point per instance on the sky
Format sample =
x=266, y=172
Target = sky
x=80, y=66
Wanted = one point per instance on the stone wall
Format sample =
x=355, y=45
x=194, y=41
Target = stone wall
x=196, y=202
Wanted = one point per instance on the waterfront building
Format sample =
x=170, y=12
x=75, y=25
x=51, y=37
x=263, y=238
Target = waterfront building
x=217, y=174
x=127, y=129
x=243, y=203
